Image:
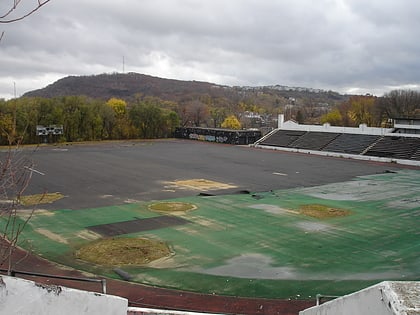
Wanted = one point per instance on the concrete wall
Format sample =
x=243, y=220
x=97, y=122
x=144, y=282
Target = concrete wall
x=385, y=298
x=362, y=129
x=151, y=311
x=19, y=296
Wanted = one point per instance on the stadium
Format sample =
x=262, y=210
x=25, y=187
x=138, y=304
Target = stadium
x=248, y=229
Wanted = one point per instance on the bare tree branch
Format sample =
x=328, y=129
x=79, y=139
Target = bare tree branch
x=4, y=20
x=15, y=3
x=15, y=171
x=15, y=175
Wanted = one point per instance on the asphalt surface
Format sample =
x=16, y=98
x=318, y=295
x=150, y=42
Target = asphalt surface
x=111, y=173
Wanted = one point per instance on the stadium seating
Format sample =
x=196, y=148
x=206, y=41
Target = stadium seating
x=395, y=147
x=282, y=138
x=314, y=140
x=416, y=155
x=351, y=143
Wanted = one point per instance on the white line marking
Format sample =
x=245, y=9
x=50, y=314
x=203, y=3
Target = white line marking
x=34, y=170
x=280, y=174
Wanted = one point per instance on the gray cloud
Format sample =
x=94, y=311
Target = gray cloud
x=343, y=45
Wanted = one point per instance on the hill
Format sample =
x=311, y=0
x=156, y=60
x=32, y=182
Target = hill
x=127, y=85
x=105, y=86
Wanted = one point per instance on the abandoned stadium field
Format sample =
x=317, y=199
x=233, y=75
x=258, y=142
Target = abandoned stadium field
x=249, y=233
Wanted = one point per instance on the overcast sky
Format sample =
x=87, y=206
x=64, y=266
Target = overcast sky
x=349, y=46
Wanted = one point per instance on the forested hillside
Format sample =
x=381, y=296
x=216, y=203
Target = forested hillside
x=127, y=86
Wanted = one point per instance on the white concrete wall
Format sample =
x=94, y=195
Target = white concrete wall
x=362, y=129
x=385, y=298
x=19, y=296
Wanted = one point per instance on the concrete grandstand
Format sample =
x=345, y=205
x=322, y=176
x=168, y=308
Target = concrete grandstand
x=400, y=144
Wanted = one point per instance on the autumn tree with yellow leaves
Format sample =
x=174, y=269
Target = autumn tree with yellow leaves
x=231, y=122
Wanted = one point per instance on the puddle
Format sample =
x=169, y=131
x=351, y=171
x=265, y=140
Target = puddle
x=252, y=266
x=258, y=266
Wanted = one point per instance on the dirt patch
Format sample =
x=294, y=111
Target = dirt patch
x=28, y=213
x=52, y=236
x=123, y=251
x=164, y=263
x=88, y=235
x=322, y=211
x=44, y=212
x=33, y=200
x=199, y=184
x=172, y=207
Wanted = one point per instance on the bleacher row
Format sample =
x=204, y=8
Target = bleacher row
x=397, y=147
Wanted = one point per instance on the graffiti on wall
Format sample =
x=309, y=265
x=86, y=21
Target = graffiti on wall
x=210, y=138
x=218, y=135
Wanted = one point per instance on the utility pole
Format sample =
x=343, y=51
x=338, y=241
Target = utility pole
x=123, y=64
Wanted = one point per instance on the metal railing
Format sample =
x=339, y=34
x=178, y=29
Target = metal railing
x=13, y=273
x=319, y=298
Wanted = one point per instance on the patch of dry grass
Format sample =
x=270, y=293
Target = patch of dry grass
x=123, y=251
x=33, y=200
x=202, y=184
x=322, y=212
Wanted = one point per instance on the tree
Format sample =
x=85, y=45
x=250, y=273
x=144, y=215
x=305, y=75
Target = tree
x=151, y=119
x=299, y=117
x=353, y=112
x=400, y=104
x=193, y=112
x=199, y=112
x=333, y=118
x=26, y=119
x=231, y=122
x=218, y=115
x=6, y=127
x=171, y=121
x=122, y=127
x=362, y=110
x=118, y=105
x=147, y=118
x=72, y=117
x=107, y=115
x=97, y=122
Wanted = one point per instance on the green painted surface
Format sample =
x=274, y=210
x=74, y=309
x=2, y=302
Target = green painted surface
x=260, y=245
